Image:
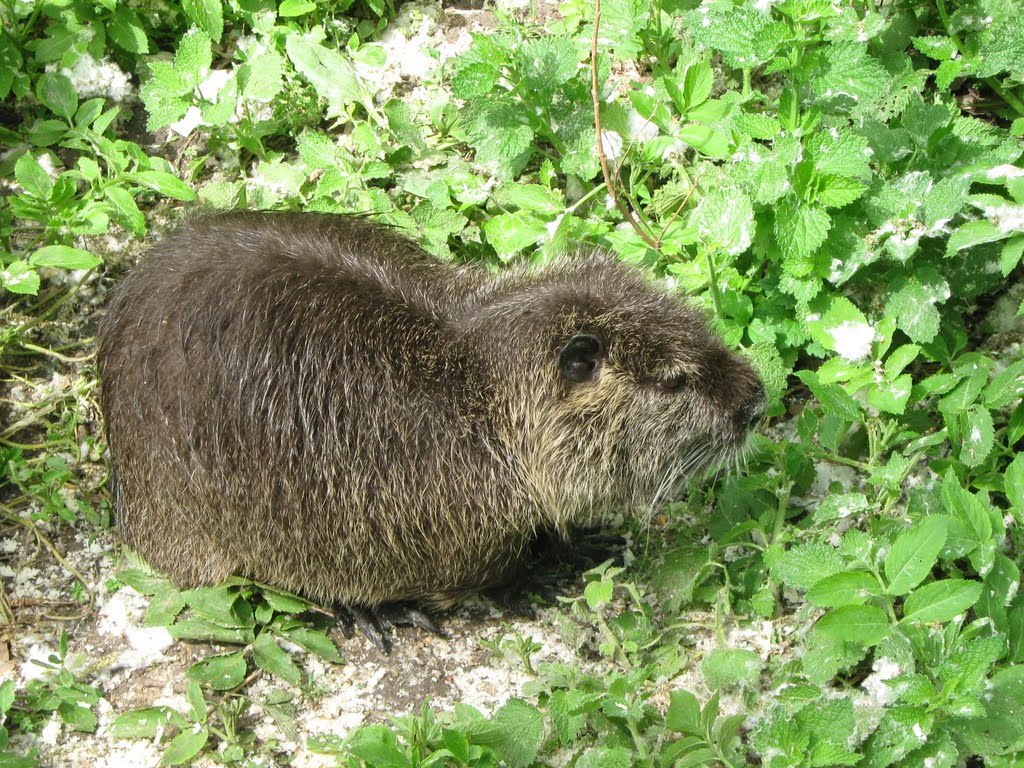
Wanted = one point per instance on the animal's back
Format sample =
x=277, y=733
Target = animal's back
x=262, y=375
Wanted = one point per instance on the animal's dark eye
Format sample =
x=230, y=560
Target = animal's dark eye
x=672, y=384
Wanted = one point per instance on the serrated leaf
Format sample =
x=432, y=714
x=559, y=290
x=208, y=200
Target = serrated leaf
x=377, y=745
x=805, y=565
x=125, y=28
x=208, y=16
x=331, y=74
x=913, y=554
x=837, y=191
x=1006, y=386
x=510, y=233
x=837, y=506
x=834, y=399
x=683, y=714
x=474, y=80
x=315, y=641
x=193, y=58
x=207, y=631
x=864, y=625
x=937, y=48
x=725, y=220
x=64, y=257
x=941, y=600
x=800, y=229
x=32, y=176
x=261, y=78
x=270, y=656
x=973, y=233
x=548, y=62
x=912, y=305
x=846, y=588
x=58, y=93
x=516, y=731
x=729, y=667
x=166, y=604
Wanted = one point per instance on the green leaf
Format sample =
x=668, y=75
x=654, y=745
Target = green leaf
x=725, y=220
x=268, y=655
x=516, y=731
x=193, y=58
x=973, y=233
x=912, y=304
x=146, y=723
x=19, y=278
x=729, y=667
x=185, y=746
x=683, y=714
x=708, y=139
x=261, y=78
x=33, y=177
x=547, y=62
x=941, y=600
x=864, y=625
x=282, y=602
x=474, y=80
x=377, y=745
x=937, y=48
x=127, y=211
x=833, y=398
x=837, y=191
x=511, y=233
x=209, y=17
x=58, y=93
x=331, y=75
x=913, y=554
x=207, y=631
x=166, y=184
x=978, y=434
x=64, y=257
x=315, y=641
x=1006, y=386
x=220, y=672
x=1011, y=254
x=837, y=506
x=1013, y=482
x=846, y=588
x=126, y=30
x=805, y=565
x=605, y=757
x=800, y=228
x=166, y=604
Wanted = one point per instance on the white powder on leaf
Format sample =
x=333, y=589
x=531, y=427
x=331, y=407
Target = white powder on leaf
x=852, y=340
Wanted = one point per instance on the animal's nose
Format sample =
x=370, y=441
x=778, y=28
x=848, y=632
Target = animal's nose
x=751, y=410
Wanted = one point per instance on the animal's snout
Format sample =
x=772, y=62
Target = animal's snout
x=751, y=410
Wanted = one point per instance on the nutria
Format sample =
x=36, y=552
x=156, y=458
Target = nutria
x=314, y=402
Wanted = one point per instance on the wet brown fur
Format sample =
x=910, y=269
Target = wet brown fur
x=314, y=402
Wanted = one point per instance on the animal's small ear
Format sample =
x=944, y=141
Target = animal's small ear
x=580, y=359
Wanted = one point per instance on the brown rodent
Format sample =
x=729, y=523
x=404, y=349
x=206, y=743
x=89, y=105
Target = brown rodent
x=314, y=402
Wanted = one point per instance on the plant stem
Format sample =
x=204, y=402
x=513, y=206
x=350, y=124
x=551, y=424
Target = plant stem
x=716, y=297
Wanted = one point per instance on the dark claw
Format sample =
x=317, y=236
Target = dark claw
x=400, y=615
x=346, y=621
x=376, y=623
x=369, y=624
